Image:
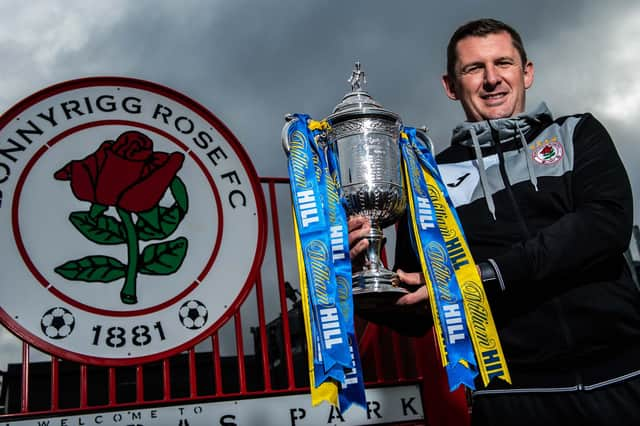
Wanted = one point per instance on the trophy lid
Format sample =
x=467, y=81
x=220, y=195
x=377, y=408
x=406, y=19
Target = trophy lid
x=358, y=102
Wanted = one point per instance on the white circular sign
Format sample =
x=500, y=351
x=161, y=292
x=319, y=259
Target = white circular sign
x=132, y=222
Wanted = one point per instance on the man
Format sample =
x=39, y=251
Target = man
x=546, y=208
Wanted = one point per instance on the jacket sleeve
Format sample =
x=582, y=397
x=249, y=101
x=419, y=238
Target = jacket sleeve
x=597, y=229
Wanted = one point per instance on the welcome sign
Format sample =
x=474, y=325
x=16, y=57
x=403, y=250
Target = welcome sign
x=131, y=221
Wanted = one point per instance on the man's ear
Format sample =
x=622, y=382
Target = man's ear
x=528, y=75
x=449, y=85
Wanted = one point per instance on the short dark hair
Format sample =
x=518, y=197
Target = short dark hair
x=481, y=28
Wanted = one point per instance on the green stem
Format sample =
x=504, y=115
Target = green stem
x=128, y=292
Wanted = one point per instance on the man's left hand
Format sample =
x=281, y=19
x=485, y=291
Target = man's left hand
x=412, y=279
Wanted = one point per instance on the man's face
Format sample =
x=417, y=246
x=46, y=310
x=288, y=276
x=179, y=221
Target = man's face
x=490, y=80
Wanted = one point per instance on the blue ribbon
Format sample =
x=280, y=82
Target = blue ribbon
x=461, y=368
x=307, y=169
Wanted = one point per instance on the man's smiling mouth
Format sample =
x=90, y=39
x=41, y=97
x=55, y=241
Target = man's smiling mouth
x=493, y=96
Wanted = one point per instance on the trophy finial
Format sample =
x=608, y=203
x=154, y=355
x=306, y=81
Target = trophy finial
x=358, y=101
x=357, y=79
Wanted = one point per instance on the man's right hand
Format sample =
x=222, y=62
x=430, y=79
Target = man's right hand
x=359, y=228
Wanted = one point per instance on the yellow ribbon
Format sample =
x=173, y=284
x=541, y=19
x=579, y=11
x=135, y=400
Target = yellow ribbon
x=327, y=391
x=318, y=125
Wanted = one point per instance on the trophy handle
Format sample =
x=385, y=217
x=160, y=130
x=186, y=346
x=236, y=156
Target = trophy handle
x=289, y=118
x=421, y=133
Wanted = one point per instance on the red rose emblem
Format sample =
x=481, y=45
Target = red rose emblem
x=126, y=173
x=546, y=151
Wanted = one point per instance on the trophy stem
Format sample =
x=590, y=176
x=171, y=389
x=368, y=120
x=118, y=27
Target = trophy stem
x=375, y=284
x=373, y=255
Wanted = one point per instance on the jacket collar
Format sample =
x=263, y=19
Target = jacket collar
x=507, y=127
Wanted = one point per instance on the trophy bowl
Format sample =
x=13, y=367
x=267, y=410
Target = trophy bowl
x=364, y=139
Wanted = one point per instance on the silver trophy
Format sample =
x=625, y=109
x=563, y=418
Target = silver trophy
x=364, y=138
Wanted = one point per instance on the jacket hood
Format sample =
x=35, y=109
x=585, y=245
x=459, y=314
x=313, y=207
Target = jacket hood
x=478, y=135
x=506, y=127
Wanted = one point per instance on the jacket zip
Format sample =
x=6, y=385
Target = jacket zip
x=495, y=138
x=568, y=339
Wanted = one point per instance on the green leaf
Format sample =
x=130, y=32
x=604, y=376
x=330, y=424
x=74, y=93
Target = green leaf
x=163, y=258
x=103, y=269
x=151, y=217
x=97, y=210
x=160, y=222
x=101, y=230
x=169, y=219
x=179, y=192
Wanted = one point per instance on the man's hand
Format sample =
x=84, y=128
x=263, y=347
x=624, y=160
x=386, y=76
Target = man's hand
x=413, y=279
x=359, y=228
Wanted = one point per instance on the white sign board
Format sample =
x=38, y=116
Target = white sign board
x=385, y=405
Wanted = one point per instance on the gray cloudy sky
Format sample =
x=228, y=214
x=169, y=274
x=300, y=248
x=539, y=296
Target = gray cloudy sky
x=250, y=62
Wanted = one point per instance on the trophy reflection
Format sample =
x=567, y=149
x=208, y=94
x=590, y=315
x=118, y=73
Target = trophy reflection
x=364, y=138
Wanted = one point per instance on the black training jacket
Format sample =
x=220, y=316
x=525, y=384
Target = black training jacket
x=546, y=207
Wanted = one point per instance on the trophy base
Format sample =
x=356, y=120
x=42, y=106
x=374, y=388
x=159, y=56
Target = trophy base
x=375, y=291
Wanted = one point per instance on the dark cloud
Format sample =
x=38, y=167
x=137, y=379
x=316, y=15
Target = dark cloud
x=251, y=62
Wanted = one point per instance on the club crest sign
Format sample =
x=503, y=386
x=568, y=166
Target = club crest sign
x=131, y=221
